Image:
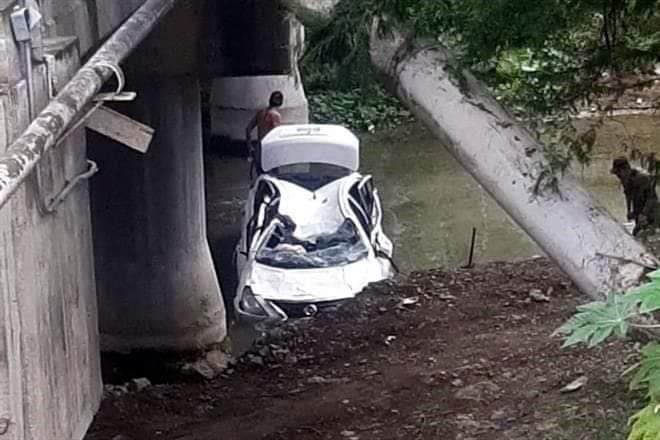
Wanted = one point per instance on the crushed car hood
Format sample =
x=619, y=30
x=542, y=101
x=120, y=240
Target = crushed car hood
x=316, y=285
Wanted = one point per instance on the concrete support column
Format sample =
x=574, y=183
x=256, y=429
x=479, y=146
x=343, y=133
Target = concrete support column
x=156, y=281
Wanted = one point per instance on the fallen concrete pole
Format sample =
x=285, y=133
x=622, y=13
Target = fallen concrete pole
x=506, y=159
x=44, y=132
x=311, y=11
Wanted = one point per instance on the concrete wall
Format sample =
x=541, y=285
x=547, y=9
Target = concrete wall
x=50, y=384
x=90, y=20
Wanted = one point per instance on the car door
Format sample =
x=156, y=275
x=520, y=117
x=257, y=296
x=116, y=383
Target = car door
x=259, y=213
x=367, y=198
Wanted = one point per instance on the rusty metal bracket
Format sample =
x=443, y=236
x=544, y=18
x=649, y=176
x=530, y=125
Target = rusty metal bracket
x=47, y=205
x=99, y=100
x=51, y=206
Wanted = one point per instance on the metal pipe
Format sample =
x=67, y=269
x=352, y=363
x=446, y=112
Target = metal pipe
x=42, y=134
x=472, y=243
x=26, y=50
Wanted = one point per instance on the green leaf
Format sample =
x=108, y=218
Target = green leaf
x=647, y=295
x=653, y=384
x=580, y=334
x=645, y=424
x=648, y=372
x=637, y=294
x=596, y=321
x=600, y=335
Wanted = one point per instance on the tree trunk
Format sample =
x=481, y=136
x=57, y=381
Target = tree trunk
x=592, y=248
x=506, y=159
x=311, y=11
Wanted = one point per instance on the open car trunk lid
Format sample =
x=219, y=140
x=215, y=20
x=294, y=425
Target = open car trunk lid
x=296, y=144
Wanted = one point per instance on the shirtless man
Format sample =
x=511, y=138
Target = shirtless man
x=264, y=121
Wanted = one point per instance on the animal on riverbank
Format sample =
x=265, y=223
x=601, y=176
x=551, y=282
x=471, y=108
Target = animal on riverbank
x=639, y=190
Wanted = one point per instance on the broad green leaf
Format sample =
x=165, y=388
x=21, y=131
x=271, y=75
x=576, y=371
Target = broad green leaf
x=647, y=296
x=596, y=321
x=600, y=335
x=648, y=372
x=650, y=303
x=581, y=334
x=645, y=424
x=653, y=384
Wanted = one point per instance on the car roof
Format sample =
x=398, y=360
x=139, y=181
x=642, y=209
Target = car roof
x=310, y=143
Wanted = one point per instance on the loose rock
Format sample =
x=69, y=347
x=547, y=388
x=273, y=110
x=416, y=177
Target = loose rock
x=538, y=296
x=479, y=392
x=140, y=384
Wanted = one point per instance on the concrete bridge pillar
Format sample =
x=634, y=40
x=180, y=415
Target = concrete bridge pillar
x=156, y=282
x=255, y=48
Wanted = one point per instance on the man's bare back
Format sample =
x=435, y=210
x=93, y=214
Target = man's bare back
x=264, y=121
x=267, y=119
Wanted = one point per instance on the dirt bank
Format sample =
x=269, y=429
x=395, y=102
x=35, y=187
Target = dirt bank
x=457, y=355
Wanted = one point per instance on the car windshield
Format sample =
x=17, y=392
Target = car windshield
x=335, y=248
x=311, y=176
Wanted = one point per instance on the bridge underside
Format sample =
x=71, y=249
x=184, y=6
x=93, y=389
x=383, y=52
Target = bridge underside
x=123, y=262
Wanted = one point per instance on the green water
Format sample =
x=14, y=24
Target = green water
x=431, y=204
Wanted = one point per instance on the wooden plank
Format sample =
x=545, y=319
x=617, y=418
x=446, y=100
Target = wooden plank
x=121, y=128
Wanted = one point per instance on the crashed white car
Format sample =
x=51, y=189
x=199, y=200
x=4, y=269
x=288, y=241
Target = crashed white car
x=311, y=232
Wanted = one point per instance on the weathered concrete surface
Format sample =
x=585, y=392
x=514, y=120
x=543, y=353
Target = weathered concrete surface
x=50, y=382
x=235, y=100
x=246, y=67
x=90, y=20
x=70, y=103
x=311, y=10
x=156, y=281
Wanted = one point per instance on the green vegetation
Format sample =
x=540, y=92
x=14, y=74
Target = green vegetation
x=595, y=322
x=539, y=57
x=358, y=110
x=542, y=59
x=545, y=61
x=360, y=106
